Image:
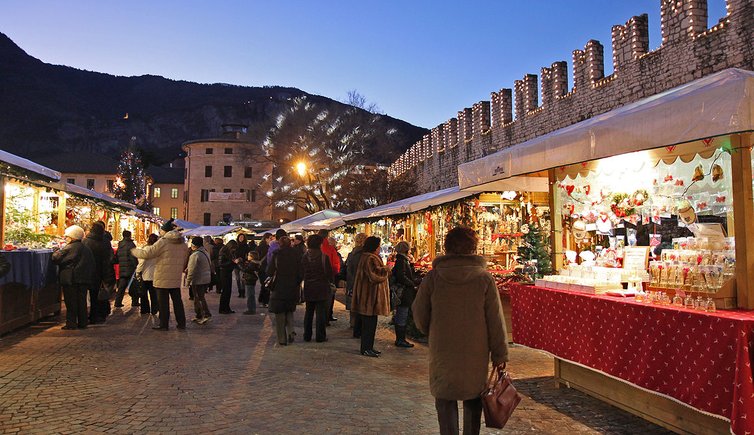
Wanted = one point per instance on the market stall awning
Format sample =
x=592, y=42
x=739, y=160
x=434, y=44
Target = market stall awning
x=298, y=225
x=719, y=104
x=186, y=225
x=212, y=230
x=100, y=197
x=325, y=224
x=410, y=205
x=16, y=162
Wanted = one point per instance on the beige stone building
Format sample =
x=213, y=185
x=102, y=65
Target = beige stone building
x=167, y=192
x=93, y=171
x=224, y=179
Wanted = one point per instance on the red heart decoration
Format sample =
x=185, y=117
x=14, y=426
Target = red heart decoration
x=569, y=189
x=708, y=141
x=587, y=189
x=670, y=148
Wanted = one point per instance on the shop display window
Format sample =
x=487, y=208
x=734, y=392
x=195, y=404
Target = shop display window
x=677, y=201
x=31, y=216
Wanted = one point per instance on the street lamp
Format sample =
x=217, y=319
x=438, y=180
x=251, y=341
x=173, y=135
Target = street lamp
x=301, y=169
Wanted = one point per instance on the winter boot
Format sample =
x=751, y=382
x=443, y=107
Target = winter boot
x=400, y=337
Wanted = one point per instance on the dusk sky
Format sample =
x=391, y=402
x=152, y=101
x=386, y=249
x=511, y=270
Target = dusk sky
x=420, y=61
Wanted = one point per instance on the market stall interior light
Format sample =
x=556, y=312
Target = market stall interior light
x=509, y=195
x=628, y=172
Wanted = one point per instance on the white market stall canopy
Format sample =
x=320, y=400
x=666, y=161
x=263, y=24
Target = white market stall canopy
x=299, y=224
x=212, y=230
x=325, y=224
x=28, y=165
x=719, y=104
x=409, y=205
x=186, y=225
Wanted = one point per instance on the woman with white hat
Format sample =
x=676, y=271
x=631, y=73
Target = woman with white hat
x=76, y=264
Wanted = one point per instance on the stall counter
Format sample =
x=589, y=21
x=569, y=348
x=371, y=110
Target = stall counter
x=699, y=359
x=29, y=291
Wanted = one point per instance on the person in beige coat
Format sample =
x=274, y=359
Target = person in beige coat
x=458, y=306
x=371, y=295
x=169, y=253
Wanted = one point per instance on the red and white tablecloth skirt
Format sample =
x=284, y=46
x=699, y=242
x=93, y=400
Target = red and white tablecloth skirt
x=697, y=358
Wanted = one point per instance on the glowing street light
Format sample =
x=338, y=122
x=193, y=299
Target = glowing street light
x=301, y=168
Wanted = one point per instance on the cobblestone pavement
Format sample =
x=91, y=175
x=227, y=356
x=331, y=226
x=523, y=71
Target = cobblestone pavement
x=230, y=377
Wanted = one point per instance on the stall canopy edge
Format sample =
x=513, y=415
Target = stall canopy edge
x=715, y=105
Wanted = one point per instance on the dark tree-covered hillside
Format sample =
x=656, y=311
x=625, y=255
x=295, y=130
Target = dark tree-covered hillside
x=50, y=108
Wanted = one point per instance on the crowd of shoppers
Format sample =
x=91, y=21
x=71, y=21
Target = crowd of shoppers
x=456, y=304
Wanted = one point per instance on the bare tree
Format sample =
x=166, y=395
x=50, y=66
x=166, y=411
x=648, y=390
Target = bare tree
x=355, y=99
x=316, y=152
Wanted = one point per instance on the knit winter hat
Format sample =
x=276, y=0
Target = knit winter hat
x=169, y=225
x=197, y=241
x=74, y=232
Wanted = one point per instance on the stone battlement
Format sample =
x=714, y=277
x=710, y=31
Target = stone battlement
x=690, y=50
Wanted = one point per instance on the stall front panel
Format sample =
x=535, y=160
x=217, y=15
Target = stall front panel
x=699, y=359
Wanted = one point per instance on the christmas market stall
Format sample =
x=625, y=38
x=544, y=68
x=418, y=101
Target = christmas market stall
x=650, y=303
x=85, y=206
x=31, y=205
x=298, y=225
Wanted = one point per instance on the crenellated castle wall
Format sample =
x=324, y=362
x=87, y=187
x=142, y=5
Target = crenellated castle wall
x=690, y=50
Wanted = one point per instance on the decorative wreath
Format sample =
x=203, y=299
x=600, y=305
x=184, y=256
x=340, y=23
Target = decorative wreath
x=622, y=205
x=639, y=197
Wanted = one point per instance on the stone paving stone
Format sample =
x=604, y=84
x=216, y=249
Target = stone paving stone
x=230, y=376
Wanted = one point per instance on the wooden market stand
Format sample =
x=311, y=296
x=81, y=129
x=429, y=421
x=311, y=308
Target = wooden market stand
x=667, y=121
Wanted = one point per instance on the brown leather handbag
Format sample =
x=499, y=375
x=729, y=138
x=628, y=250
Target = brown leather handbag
x=499, y=399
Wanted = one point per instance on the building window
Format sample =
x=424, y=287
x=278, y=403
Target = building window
x=247, y=216
x=156, y=210
x=205, y=196
x=207, y=219
x=208, y=171
x=227, y=218
x=90, y=183
x=156, y=192
x=174, y=212
x=71, y=181
x=226, y=190
x=247, y=172
x=228, y=172
x=228, y=150
x=209, y=150
x=253, y=195
x=111, y=185
x=174, y=193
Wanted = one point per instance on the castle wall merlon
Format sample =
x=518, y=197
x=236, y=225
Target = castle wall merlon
x=630, y=41
x=681, y=20
x=480, y=113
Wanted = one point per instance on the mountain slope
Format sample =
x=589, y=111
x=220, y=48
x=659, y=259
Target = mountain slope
x=50, y=108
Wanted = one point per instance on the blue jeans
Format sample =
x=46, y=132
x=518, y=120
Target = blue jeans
x=401, y=316
x=251, y=299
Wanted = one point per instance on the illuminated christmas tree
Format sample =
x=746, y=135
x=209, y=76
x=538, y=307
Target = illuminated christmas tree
x=130, y=182
x=534, y=253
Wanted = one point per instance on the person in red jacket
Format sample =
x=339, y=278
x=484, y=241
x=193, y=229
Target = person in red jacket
x=331, y=252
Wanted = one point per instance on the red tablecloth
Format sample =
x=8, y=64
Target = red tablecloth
x=701, y=359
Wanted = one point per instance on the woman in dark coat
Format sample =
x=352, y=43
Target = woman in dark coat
x=226, y=260
x=284, y=295
x=458, y=306
x=76, y=264
x=318, y=276
x=104, y=272
x=241, y=251
x=405, y=278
